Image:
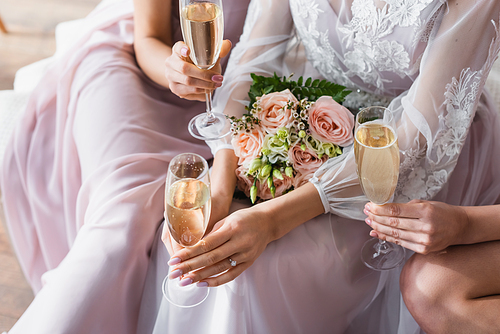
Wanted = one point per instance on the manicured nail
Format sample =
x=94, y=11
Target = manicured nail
x=176, y=273
x=368, y=221
x=217, y=85
x=173, y=261
x=185, y=281
x=366, y=212
x=367, y=206
x=202, y=284
x=373, y=234
x=217, y=78
x=184, y=51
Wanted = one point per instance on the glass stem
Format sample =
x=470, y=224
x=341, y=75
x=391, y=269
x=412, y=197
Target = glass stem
x=380, y=248
x=210, y=114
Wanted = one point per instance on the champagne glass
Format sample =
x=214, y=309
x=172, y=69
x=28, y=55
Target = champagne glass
x=377, y=157
x=202, y=26
x=187, y=211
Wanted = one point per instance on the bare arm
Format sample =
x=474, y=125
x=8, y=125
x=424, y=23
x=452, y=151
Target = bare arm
x=153, y=37
x=164, y=62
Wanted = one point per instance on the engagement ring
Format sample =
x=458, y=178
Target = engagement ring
x=233, y=263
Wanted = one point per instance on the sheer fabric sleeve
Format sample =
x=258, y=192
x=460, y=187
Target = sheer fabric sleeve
x=434, y=116
x=261, y=49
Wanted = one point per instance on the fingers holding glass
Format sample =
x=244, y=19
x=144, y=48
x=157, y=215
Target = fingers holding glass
x=377, y=159
x=185, y=79
x=187, y=210
x=202, y=26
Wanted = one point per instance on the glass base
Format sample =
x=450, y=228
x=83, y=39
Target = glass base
x=202, y=127
x=382, y=255
x=183, y=296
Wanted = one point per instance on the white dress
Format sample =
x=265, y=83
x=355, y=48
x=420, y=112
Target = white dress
x=428, y=60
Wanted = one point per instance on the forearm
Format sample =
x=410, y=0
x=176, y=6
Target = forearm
x=483, y=224
x=153, y=37
x=223, y=180
x=286, y=212
x=151, y=54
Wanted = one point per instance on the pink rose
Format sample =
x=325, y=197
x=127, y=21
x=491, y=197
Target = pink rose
x=244, y=182
x=281, y=186
x=247, y=145
x=305, y=162
x=274, y=113
x=331, y=122
x=301, y=179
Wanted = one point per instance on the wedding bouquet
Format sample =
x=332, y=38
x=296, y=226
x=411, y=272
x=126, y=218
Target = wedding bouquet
x=290, y=130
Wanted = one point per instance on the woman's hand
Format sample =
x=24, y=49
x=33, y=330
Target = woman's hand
x=421, y=226
x=241, y=237
x=188, y=81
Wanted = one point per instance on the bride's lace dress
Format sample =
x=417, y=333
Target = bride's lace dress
x=428, y=61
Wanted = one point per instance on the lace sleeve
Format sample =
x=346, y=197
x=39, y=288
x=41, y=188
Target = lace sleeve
x=434, y=115
x=262, y=46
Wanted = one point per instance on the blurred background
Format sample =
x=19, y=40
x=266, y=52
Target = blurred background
x=30, y=26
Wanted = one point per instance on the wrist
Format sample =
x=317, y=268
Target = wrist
x=463, y=228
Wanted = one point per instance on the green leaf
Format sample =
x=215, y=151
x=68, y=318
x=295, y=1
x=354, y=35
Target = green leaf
x=310, y=90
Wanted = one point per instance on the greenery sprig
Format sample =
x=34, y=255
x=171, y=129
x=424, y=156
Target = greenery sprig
x=310, y=89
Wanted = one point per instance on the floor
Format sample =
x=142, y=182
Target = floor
x=30, y=37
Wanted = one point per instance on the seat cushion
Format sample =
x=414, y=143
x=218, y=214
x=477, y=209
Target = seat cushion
x=11, y=105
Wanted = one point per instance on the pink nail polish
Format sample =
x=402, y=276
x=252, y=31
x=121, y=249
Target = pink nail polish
x=367, y=206
x=217, y=78
x=173, y=261
x=174, y=274
x=184, y=51
x=186, y=281
x=202, y=284
x=374, y=234
x=368, y=221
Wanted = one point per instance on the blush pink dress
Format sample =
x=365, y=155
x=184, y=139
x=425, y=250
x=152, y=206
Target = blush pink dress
x=83, y=176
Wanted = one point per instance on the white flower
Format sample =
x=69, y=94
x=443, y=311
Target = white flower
x=435, y=181
x=391, y=56
x=406, y=13
x=355, y=61
x=276, y=148
x=416, y=187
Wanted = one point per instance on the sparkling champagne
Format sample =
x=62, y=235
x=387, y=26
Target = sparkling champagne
x=377, y=157
x=187, y=209
x=202, y=27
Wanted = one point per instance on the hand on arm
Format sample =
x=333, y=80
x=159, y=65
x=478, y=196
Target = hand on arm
x=243, y=236
x=426, y=226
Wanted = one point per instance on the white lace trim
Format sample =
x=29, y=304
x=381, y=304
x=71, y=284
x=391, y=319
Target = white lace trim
x=422, y=177
x=368, y=53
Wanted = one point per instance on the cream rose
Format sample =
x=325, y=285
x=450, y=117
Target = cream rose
x=247, y=145
x=274, y=113
x=331, y=122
